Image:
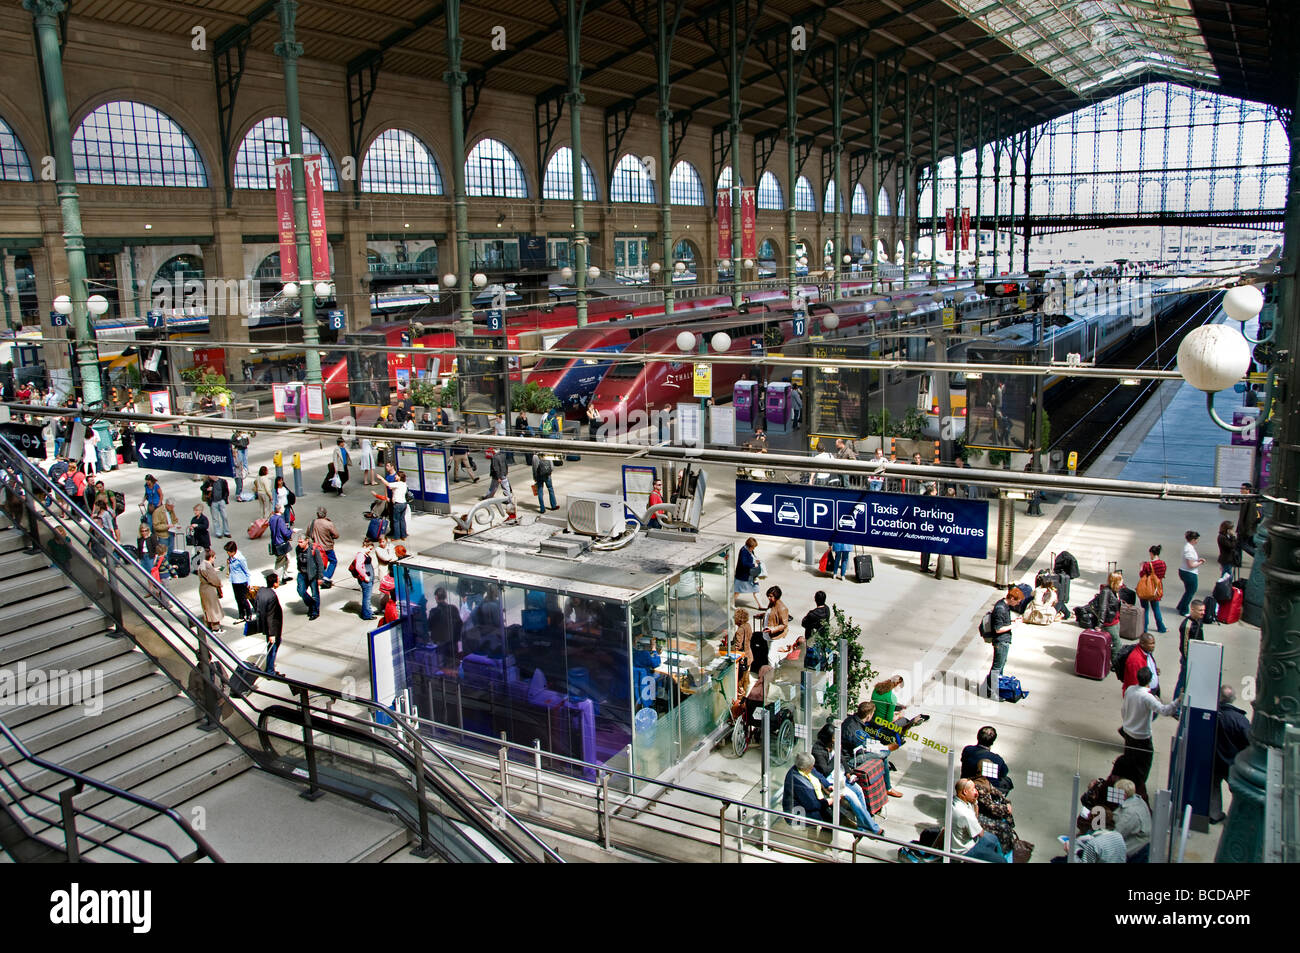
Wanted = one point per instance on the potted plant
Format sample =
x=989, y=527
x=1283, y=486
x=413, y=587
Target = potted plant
x=424, y=396
x=859, y=672
x=535, y=401
x=208, y=387
x=447, y=395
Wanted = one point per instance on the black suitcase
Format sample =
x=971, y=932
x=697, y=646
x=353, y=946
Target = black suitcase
x=245, y=676
x=180, y=564
x=863, y=568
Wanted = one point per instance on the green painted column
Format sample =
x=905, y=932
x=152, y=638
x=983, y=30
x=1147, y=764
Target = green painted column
x=956, y=201
x=663, y=55
x=979, y=185
x=733, y=154
x=574, y=99
x=1028, y=223
x=1277, y=683
x=909, y=181
x=289, y=50
x=837, y=155
x=45, y=13
x=875, y=176
x=934, y=184
x=998, y=146
x=456, y=79
x=792, y=172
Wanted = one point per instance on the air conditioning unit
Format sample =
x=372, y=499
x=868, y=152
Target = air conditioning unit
x=595, y=515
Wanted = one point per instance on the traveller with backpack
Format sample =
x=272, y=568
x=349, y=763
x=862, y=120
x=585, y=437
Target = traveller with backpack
x=542, y=469
x=216, y=493
x=324, y=534
x=995, y=629
x=1151, y=588
x=311, y=565
x=362, y=568
x=280, y=543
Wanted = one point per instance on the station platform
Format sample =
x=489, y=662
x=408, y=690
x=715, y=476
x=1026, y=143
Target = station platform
x=912, y=624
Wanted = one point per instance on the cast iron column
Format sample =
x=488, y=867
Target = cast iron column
x=837, y=157
x=909, y=180
x=1029, y=157
x=574, y=99
x=1277, y=687
x=733, y=133
x=875, y=176
x=934, y=184
x=792, y=170
x=289, y=49
x=456, y=80
x=956, y=202
x=979, y=186
x=46, y=15
x=665, y=116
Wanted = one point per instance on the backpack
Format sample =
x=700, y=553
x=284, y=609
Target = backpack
x=1122, y=664
x=343, y=455
x=119, y=503
x=69, y=484
x=544, y=468
x=987, y=632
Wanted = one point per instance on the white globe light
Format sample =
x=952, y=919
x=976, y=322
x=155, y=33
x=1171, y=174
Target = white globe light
x=803, y=261
x=449, y=280
x=680, y=267
x=291, y=289
x=724, y=264
x=831, y=321
x=655, y=268
x=848, y=259
x=1243, y=302
x=63, y=304
x=686, y=341
x=1214, y=357
x=593, y=272
x=323, y=289
x=566, y=273
x=749, y=263
x=96, y=305
x=721, y=342
x=480, y=280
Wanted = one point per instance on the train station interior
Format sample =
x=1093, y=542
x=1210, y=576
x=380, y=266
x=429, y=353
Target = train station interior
x=921, y=491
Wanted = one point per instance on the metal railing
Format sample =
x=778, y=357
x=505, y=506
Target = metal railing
x=71, y=818
x=614, y=809
x=383, y=764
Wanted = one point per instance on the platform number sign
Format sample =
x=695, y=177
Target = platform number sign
x=800, y=324
x=58, y=320
x=336, y=319
x=155, y=319
x=494, y=319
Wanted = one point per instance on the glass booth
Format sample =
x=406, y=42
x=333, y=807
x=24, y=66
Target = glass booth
x=607, y=657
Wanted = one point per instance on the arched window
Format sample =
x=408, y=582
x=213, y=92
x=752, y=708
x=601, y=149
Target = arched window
x=859, y=206
x=268, y=141
x=427, y=260
x=631, y=182
x=724, y=180
x=684, y=253
x=130, y=143
x=14, y=164
x=558, y=181
x=769, y=193
x=180, y=269
x=768, y=258
x=828, y=199
x=882, y=203
x=804, y=199
x=398, y=161
x=684, y=185
x=491, y=169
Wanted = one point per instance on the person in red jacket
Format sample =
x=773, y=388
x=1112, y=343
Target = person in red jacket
x=1142, y=656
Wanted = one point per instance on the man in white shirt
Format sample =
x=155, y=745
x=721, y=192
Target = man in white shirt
x=1140, y=709
x=968, y=836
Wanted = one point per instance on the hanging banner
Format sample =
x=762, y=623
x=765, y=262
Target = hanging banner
x=965, y=229
x=947, y=229
x=284, y=218
x=320, y=246
x=724, y=224
x=749, y=222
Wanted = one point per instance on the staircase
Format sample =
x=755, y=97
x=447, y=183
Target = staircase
x=139, y=733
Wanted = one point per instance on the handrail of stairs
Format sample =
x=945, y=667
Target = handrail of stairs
x=204, y=668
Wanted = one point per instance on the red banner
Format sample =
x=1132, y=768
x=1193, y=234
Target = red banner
x=213, y=358
x=284, y=216
x=749, y=222
x=965, y=229
x=320, y=246
x=724, y=224
x=947, y=229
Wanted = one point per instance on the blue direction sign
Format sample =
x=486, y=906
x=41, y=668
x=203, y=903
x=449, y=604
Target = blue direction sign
x=935, y=524
x=494, y=319
x=185, y=454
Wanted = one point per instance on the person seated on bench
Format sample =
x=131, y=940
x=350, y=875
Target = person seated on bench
x=860, y=740
x=888, y=706
x=854, y=800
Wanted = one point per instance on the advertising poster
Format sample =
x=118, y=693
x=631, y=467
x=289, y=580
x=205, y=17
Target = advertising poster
x=320, y=245
x=749, y=222
x=836, y=407
x=947, y=229
x=279, y=395
x=284, y=218
x=703, y=382
x=724, y=224
x=160, y=402
x=965, y=229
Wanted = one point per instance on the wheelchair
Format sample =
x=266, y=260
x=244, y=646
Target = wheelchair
x=747, y=728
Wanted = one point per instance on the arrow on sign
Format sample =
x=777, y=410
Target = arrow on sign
x=143, y=451
x=749, y=507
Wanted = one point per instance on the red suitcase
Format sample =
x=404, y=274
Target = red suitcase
x=1229, y=612
x=257, y=528
x=1092, y=658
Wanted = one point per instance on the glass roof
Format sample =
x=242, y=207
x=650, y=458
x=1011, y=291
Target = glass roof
x=1086, y=44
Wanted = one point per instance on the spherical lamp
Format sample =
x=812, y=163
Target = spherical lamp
x=63, y=304
x=748, y=263
x=323, y=289
x=686, y=341
x=830, y=321
x=480, y=280
x=593, y=272
x=655, y=268
x=721, y=342
x=724, y=264
x=96, y=305
x=1213, y=357
x=803, y=261
x=291, y=289
x=848, y=259
x=1243, y=302
x=449, y=280
x=566, y=273
x=680, y=267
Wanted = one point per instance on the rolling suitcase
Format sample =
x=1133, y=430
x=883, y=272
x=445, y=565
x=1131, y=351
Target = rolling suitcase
x=180, y=564
x=863, y=568
x=1230, y=611
x=1130, y=621
x=1092, y=657
x=257, y=528
x=245, y=676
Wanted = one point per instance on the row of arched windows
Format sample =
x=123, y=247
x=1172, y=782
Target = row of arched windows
x=132, y=143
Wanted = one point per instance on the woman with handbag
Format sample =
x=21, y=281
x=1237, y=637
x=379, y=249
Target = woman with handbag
x=1229, y=548
x=748, y=571
x=210, y=591
x=1151, y=589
